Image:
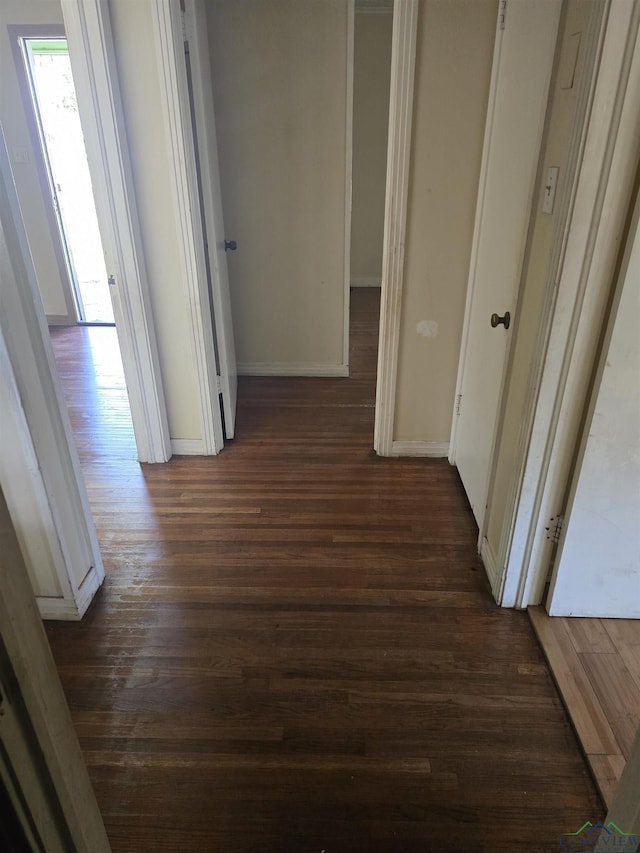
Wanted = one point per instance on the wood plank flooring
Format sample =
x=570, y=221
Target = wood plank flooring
x=596, y=665
x=295, y=648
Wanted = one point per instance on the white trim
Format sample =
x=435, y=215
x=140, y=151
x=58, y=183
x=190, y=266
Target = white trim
x=63, y=608
x=56, y=498
x=41, y=743
x=61, y=320
x=88, y=30
x=366, y=282
x=183, y=176
x=490, y=565
x=601, y=206
x=348, y=181
x=187, y=446
x=287, y=368
x=432, y=449
x=16, y=34
x=403, y=60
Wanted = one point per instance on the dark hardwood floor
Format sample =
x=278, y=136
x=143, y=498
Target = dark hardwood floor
x=295, y=648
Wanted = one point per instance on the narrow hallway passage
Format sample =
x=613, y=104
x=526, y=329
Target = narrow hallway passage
x=295, y=648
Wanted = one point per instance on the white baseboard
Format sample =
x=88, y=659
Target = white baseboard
x=61, y=320
x=491, y=567
x=275, y=368
x=433, y=449
x=58, y=608
x=66, y=609
x=365, y=282
x=187, y=446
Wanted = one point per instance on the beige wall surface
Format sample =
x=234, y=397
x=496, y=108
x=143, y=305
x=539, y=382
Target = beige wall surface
x=371, y=81
x=280, y=80
x=139, y=83
x=453, y=70
x=560, y=123
x=16, y=131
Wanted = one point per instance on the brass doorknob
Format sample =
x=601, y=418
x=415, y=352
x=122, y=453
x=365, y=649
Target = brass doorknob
x=505, y=320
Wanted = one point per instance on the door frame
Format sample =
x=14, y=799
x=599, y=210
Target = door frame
x=23, y=60
x=27, y=31
x=43, y=482
x=403, y=63
x=348, y=182
x=169, y=40
x=571, y=339
x=49, y=771
x=87, y=26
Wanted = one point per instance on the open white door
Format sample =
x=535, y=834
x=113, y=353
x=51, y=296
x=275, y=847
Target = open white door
x=597, y=571
x=87, y=26
x=211, y=199
x=521, y=75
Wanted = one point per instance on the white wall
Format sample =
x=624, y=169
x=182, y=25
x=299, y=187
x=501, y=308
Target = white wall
x=598, y=572
x=371, y=81
x=453, y=70
x=280, y=89
x=14, y=123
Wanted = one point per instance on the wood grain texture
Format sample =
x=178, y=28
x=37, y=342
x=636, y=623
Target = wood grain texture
x=295, y=648
x=596, y=665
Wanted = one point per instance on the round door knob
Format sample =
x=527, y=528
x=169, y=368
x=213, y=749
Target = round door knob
x=230, y=244
x=497, y=320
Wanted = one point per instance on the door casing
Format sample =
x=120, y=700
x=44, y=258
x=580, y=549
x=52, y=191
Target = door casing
x=17, y=32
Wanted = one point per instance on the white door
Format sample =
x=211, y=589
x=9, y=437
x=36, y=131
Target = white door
x=597, y=570
x=522, y=65
x=217, y=243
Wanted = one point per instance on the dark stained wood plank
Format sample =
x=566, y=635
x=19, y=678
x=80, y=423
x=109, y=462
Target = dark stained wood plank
x=295, y=647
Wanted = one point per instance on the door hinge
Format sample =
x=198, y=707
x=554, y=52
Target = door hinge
x=554, y=530
x=502, y=14
x=458, y=404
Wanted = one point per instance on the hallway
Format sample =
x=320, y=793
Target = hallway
x=295, y=648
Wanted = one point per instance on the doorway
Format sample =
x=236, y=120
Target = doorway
x=55, y=109
x=371, y=84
